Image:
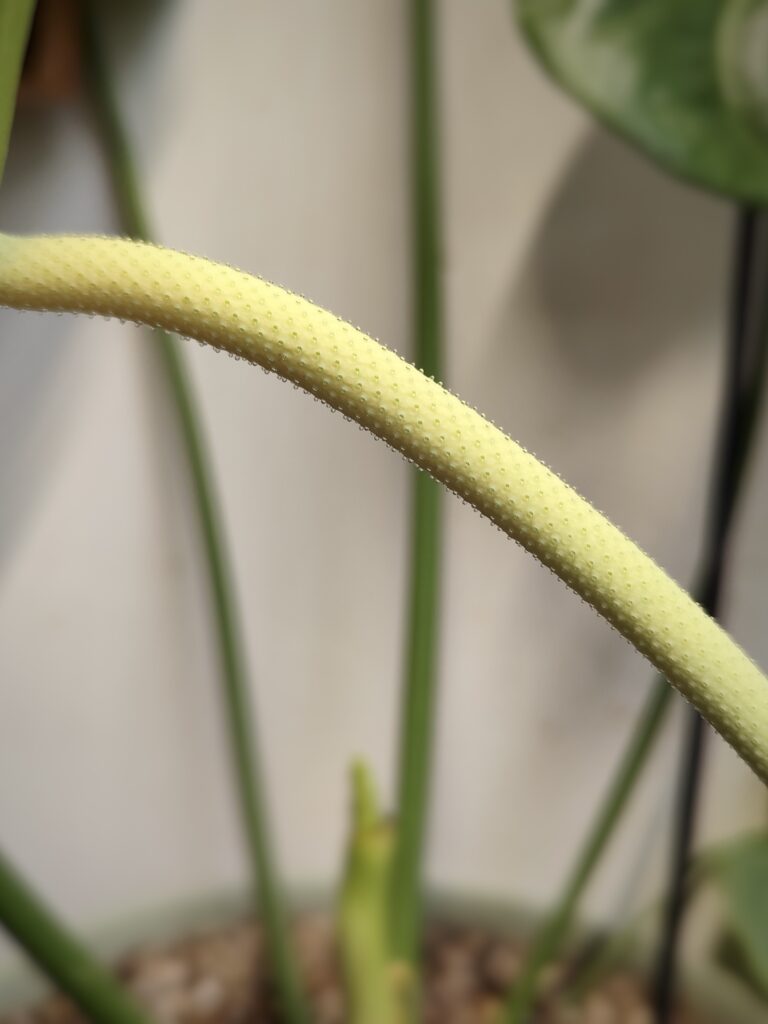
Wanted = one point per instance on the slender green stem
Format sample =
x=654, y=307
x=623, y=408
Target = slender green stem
x=234, y=674
x=606, y=952
x=425, y=190
x=549, y=940
x=64, y=960
x=418, y=712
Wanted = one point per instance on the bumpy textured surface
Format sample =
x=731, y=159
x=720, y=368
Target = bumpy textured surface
x=287, y=335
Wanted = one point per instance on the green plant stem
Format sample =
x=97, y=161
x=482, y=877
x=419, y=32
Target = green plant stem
x=418, y=712
x=550, y=939
x=15, y=25
x=246, y=759
x=604, y=953
x=65, y=961
x=610, y=949
x=376, y=985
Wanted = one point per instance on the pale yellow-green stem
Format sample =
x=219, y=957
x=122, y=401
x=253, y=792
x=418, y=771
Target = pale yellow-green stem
x=369, y=383
x=379, y=987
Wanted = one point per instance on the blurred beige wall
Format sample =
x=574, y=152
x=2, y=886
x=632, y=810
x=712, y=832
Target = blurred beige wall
x=585, y=309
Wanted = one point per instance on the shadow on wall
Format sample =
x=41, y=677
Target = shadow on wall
x=613, y=330
x=627, y=272
x=626, y=264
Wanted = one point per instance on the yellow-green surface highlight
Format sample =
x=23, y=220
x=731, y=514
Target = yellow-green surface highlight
x=287, y=335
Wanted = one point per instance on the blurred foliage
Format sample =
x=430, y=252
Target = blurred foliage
x=15, y=21
x=684, y=80
x=739, y=870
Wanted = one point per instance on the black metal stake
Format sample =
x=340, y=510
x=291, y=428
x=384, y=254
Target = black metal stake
x=745, y=357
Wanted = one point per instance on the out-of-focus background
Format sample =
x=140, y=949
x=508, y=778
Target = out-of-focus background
x=585, y=313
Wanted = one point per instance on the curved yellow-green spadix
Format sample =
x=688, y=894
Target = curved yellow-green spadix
x=351, y=372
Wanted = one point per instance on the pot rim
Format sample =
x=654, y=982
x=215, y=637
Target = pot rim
x=711, y=990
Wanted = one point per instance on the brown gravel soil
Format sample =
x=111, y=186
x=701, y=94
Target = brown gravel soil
x=218, y=977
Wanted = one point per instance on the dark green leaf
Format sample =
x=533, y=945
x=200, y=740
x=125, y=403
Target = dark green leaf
x=685, y=80
x=15, y=20
x=740, y=871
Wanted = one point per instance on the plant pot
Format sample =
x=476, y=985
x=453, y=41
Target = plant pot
x=711, y=995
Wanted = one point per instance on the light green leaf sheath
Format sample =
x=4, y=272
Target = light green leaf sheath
x=287, y=335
